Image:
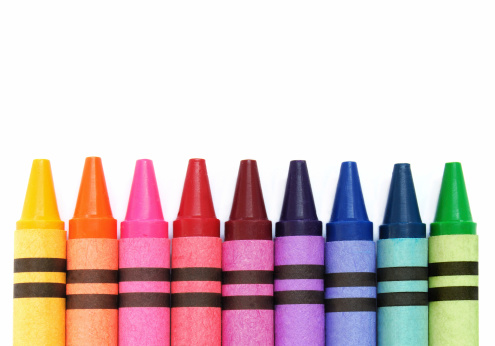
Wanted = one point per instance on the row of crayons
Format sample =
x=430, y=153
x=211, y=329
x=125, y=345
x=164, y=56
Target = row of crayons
x=94, y=289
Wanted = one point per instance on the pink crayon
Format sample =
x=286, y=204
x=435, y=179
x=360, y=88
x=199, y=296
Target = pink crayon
x=144, y=265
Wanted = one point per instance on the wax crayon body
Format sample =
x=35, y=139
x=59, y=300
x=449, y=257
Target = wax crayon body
x=453, y=266
x=402, y=267
x=350, y=266
x=92, y=264
x=196, y=286
x=299, y=265
x=39, y=265
x=247, y=265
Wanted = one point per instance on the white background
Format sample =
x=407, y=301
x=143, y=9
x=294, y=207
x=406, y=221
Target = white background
x=377, y=82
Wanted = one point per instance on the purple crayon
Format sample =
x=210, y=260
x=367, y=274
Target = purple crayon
x=350, y=279
x=299, y=265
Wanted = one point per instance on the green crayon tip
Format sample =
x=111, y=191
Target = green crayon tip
x=453, y=213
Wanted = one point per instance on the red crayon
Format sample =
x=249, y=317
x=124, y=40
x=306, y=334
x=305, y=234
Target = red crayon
x=196, y=264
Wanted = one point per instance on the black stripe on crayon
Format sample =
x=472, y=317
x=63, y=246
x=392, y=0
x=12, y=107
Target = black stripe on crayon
x=402, y=299
x=92, y=301
x=402, y=273
x=298, y=297
x=303, y=271
x=196, y=274
x=247, y=303
x=358, y=279
x=93, y=276
x=144, y=300
x=439, y=294
x=40, y=265
x=196, y=300
x=453, y=268
x=39, y=290
x=350, y=304
x=144, y=274
x=238, y=277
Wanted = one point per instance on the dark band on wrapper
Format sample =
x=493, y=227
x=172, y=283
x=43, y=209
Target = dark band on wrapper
x=92, y=301
x=39, y=290
x=357, y=279
x=247, y=303
x=402, y=299
x=196, y=274
x=299, y=297
x=95, y=276
x=453, y=268
x=41, y=265
x=239, y=277
x=402, y=274
x=144, y=274
x=295, y=272
x=144, y=300
x=196, y=300
x=439, y=294
x=350, y=305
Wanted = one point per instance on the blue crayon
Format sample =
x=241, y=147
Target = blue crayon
x=402, y=267
x=350, y=276
x=299, y=265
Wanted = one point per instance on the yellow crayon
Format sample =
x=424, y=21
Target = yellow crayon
x=39, y=264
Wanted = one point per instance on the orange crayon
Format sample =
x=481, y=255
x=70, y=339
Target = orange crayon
x=92, y=264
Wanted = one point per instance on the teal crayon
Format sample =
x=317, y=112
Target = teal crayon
x=402, y=267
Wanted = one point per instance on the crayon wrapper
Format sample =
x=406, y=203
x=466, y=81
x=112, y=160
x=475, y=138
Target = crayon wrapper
x=453, y=261
x=39, y=259
x=92, y=292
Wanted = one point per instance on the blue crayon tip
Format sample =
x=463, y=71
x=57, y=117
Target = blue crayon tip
x=402, y=218
x=298, y=210
x=349, y=219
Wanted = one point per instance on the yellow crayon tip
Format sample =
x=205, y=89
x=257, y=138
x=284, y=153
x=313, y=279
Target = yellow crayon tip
x=40, y=205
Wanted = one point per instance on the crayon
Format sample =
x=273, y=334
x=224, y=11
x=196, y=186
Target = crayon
x=402, y=267
x=350, y=274
x=247, y=263
x=299, y=265
x=144, y=265
x=39, y=264
x=453, y=266
x=196, y=264
x=92, y=264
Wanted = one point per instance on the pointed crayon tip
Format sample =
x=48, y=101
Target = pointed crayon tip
x=298, y=215
x=453, y=214
x=40, y=205
x=144, y=218
x=196, y=212
x=402, y=218
x=349, y=220
x=93, y=215
x=248, y=219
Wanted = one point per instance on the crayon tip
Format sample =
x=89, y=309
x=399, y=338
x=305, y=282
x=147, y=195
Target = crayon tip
x=402, y=218
x=196, y=212
x=349, y=220
x=248, y=219
x=93, y=215
x=144, y=216
x=453, y=214
x=298, y=215
x=40, y=205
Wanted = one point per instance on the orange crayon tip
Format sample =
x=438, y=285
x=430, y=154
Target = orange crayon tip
x=93, y=215
x=40, y=205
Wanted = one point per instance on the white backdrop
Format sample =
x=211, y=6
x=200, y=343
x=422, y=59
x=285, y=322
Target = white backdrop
x=375, y=82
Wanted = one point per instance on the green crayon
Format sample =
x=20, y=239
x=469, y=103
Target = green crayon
x=453, y=266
